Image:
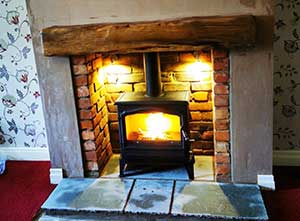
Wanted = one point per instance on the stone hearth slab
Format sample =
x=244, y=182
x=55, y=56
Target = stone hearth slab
x=138, y=199
x=89, y=195
x=239, y=201
x=150, y=196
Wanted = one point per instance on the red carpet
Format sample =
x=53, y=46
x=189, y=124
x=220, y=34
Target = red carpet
x=284, y=203
x=23, y=188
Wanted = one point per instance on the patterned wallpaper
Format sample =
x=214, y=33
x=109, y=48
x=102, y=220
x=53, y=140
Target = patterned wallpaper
x=21, y=114
x=287, y=75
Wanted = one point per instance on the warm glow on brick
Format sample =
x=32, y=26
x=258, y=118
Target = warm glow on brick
x=101, y=76
x=114, y=72
x=200, y=70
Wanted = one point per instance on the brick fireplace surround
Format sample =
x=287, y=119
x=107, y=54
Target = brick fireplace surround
x=96, y=90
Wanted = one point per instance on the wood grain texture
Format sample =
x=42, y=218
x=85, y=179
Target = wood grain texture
x=169, y=35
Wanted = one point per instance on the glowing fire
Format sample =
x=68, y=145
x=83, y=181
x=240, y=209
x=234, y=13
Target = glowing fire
x=157, y=126
x=152, y=126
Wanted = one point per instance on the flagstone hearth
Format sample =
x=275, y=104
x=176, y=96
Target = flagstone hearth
x=141, y=199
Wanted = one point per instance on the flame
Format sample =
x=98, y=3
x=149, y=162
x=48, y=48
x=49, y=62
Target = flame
x=157, y=126
x=153, y=126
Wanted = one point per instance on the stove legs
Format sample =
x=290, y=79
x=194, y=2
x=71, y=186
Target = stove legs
x=122, y=167
x=190, y=166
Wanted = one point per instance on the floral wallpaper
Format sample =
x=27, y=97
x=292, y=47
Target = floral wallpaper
x=287, y=75
x=21, y=114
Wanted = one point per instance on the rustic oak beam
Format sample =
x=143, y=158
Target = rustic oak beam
x=168, y=35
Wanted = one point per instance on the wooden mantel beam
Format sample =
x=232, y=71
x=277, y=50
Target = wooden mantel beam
x=168, y=35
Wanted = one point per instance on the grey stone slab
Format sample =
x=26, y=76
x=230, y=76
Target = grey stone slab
x=89, y=195
x=239, y=201
x=150, y=196
x=67, y=190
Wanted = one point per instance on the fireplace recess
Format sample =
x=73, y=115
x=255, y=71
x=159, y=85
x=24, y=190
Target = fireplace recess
x=154, y=126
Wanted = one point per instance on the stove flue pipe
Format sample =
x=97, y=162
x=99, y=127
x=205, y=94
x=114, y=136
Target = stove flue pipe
x=152, y=72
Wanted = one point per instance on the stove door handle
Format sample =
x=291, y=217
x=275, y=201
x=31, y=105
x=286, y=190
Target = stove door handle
x=186, y=136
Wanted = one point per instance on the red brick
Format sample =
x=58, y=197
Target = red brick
x=99, y=139
x=139, y=87
x=177, y=86
x=221, y=113
x=208, y=152
x=89, y=145
x=197, y=115
x=222, y=135
x=109, y=150
x=97, y=119
x=78, y=60
x=218, y=53
x=94, y=110
x=113, y=88
x=106, y=130
x=221, y=100
x=202, y=86
x=223, y=178
x=84, y=103
x=100, y=103
x=81, y=80
x=186, y=57
x=221, y=64
x=112, y=116
x=201, y=106
x=86, y=124
x=90, y=57
x=205, y=56
x=83, y=91
x=88, y=135
x=222, y=158
x=200, y=96
x=89, y=67
x=223, y=168
x=112, y=97
x=80, y=69
x=103, y=122
x=221, y=89
x=222, y=147
x=90, y=155
x=221, y=77
x=85, y=114
x=222, y=124
x=114, y=126
x=204, y=145
x=112, y=107
x=97, y=130
x=207, y=135
x=92, y=165
x=200, y=125
x=97, y=63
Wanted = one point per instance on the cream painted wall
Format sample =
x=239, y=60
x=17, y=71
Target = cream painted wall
x=255, y=146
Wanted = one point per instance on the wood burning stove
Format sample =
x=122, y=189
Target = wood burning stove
x=153, y=127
